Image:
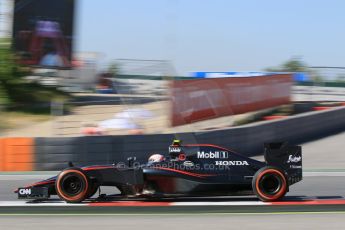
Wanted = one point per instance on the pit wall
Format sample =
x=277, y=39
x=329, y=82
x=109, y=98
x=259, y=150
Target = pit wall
x=26, y=154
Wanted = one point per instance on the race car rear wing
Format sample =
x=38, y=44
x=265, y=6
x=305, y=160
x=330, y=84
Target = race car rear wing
x=286, y=157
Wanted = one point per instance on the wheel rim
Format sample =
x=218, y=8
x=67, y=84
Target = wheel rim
x=270, y=184
x=72, y=185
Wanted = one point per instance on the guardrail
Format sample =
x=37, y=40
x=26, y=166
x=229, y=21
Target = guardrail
x=322, y=83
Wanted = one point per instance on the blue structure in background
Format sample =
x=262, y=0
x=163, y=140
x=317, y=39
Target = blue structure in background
x=301, y=77
x=226, y=74
x=298, y=77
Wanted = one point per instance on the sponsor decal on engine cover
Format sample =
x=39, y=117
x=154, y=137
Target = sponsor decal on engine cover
x=188, y=164
x=294, y=159
x=212, y=155
x=230, y=163
x=295, y=166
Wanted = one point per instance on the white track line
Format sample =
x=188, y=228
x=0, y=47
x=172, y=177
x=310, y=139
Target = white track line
x=26, y=204
x=222, y=203
x=63, y=204
x=25, y=177
x=311, y=174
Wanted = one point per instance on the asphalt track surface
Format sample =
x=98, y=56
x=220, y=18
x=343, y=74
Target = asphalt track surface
x=179, y=221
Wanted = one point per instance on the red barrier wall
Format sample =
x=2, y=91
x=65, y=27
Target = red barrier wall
x=200, y=99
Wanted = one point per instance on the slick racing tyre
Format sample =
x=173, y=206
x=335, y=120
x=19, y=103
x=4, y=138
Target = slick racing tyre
x=269, y=184
x=127, y=190
x=93, y=190
x=73, y=185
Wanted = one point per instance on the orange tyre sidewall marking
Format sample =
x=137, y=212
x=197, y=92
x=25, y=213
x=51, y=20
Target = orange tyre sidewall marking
x=79, y=195
x=282, y=189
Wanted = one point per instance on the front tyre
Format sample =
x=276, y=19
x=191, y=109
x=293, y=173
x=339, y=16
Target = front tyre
x=269, y=184
x=73, y=185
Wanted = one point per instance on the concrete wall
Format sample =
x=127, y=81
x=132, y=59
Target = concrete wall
x=54, y=153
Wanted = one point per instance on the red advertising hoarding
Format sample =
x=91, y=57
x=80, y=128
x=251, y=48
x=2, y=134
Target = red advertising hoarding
x=201, y=99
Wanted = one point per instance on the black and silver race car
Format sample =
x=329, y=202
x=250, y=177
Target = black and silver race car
x=188, y=170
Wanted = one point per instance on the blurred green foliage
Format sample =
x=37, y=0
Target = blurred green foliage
x=18, y=94
x=341, y=78
x=114, y=69
x=294, y=64
x=10, y=71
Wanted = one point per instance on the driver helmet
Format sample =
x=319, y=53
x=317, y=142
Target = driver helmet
x=156, y=158
x=177, y=142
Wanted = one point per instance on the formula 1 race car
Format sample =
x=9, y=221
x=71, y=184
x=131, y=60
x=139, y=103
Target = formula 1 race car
x=188, y=170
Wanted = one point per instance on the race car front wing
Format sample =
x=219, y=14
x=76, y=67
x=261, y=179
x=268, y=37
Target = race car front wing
x=33, y=193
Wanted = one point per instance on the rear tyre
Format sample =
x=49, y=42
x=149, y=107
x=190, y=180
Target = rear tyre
x=73, y=185
x=127, y=190
x=93, y=190
x=269, y=184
